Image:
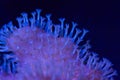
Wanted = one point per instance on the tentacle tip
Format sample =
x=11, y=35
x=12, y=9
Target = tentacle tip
x=24, y=14
x=74, y=24
x=38, y=10
x=48, y=15
x=61, y=19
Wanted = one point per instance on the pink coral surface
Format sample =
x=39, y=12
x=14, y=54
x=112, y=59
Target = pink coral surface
x=43, y=56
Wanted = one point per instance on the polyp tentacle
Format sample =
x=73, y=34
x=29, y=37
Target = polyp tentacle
x=62, y=20
x=38, y=14
x=25, y=19
x=78, y=31
x=66, y=30
x=48, y=23
x=19, y=20
x=84, y=33
x=73, y=27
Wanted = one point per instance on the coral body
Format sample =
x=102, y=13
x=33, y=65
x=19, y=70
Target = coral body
x=38, y=49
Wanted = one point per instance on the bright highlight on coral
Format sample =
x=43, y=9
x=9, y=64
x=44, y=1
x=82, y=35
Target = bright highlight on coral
x=38, y=49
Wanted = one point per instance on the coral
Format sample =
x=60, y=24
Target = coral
x=38, y=49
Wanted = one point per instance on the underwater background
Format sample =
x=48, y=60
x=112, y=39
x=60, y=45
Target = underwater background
x=101, y=18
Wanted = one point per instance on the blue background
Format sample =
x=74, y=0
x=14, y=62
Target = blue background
x=102, y=18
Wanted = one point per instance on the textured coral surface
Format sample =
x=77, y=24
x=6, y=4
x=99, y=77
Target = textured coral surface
x=44, y=57
x=38, y=49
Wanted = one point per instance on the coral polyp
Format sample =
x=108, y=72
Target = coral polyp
x=38, y=49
